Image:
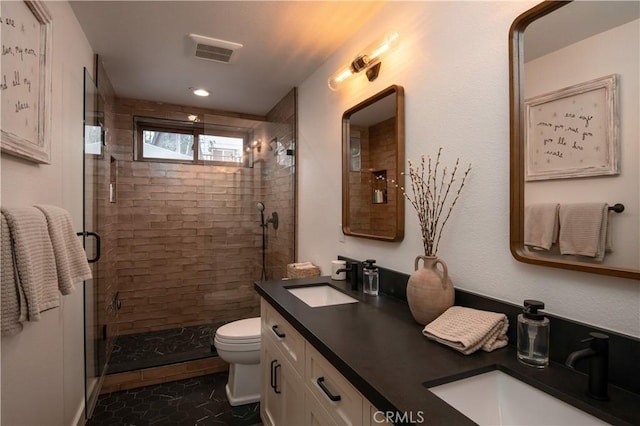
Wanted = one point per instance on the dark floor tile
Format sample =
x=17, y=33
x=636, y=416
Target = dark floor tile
x=200, y=401
x=155, y=348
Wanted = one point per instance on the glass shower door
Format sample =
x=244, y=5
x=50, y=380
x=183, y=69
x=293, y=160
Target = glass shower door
x=95, y=306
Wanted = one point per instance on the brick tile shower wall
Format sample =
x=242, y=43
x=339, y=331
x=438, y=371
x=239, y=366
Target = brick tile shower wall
x=378, y=153
x=188, y=236
x=279, y=185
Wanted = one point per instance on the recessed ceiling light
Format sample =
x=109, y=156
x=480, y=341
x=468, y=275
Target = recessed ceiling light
x=200, y=92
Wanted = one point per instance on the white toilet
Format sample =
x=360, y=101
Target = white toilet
x=238, y=343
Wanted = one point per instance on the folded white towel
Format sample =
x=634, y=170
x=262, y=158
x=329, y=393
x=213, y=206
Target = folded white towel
x=583, y=229
x=34, y=260
x=468, y=330
x=541, y=225
x=10, y=293
x=71, y=260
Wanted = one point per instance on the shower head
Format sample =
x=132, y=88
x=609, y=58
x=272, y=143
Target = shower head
x=260, y=206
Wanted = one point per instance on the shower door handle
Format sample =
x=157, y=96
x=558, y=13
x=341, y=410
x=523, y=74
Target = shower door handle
x=97, y=237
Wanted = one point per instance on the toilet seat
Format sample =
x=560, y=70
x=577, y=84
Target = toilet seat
x=241, y=331
x=236, y=347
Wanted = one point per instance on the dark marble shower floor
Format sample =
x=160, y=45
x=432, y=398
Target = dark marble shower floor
x=156, y=348
x=198, y=401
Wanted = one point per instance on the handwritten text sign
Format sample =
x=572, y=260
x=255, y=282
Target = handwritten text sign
x=23, y=79
x=573, y=132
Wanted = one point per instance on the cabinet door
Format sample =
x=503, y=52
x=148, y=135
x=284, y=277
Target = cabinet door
x=283, y=397
x=288, y=340
x=270, y=406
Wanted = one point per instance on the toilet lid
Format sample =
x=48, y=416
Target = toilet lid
x=246, y=329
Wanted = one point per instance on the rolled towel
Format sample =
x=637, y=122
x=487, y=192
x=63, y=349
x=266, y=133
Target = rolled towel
x=583, y=229
x=541, y=225
x=468, y=330
x=303, y=265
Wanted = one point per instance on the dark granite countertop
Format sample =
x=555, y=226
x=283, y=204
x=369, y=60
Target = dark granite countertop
x=380, y=349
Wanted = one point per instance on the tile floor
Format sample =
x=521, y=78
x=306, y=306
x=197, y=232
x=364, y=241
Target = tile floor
x=191, y=402
x=151, y=349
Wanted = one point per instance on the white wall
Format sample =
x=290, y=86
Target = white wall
x=453, y=64
x=43, y=366
x=587, y=60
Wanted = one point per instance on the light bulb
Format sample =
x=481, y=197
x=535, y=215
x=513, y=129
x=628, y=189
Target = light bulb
x=340, y=76
x=367, y=58
x=201, y=92
x=386, y=43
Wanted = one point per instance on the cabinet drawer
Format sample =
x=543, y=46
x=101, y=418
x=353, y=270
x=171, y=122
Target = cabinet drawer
x=288, y=340
x=314, y=413
x=332, y=390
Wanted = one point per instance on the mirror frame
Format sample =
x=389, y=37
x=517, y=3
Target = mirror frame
x=399, y=223
x=517, y=148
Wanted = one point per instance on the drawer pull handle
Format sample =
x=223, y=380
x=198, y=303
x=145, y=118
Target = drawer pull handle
x=277, y=332
x=334, y=398
x=275, y=378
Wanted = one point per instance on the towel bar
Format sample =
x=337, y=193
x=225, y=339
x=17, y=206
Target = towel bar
x=618, y=208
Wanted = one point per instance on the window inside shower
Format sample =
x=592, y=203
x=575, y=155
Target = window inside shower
x=190, y=142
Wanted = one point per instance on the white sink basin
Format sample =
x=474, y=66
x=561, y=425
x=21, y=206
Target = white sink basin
x=496, y=398
x=321, y=295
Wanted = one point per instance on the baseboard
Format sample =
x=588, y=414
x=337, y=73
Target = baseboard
x=79, y=418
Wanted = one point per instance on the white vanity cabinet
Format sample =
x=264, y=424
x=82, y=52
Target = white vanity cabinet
x=282, y=401
x=282, y=365
x=299, y=386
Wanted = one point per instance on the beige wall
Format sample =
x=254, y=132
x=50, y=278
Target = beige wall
x=452, y=61
x=43, y=366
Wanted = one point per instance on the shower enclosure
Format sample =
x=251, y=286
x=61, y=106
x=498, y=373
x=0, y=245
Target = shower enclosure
x=186, y=241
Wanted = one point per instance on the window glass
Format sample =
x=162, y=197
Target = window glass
x=167, y=145
x=220, y=148
x=92, y=139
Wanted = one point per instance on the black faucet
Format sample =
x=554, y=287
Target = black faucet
x=598, y=354
x=352, y=271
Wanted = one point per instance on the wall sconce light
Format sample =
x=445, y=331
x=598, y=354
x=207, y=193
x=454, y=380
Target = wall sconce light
x=369, y=60
x=257, y=145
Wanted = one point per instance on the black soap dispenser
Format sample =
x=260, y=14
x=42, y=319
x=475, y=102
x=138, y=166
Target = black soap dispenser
x=533, y=335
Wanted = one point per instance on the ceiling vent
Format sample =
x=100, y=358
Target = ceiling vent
x=213, y=49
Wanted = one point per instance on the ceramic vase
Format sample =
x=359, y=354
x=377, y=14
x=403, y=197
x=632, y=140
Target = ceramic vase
x=429, y=290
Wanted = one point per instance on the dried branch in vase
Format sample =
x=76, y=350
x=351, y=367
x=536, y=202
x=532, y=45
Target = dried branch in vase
x=429, y=197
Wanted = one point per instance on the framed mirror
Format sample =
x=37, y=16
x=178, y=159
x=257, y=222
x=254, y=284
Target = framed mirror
x=372, y=163
x=575, y=65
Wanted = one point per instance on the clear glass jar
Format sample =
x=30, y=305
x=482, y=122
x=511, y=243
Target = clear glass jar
x=533, y=335
x=370, y=278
